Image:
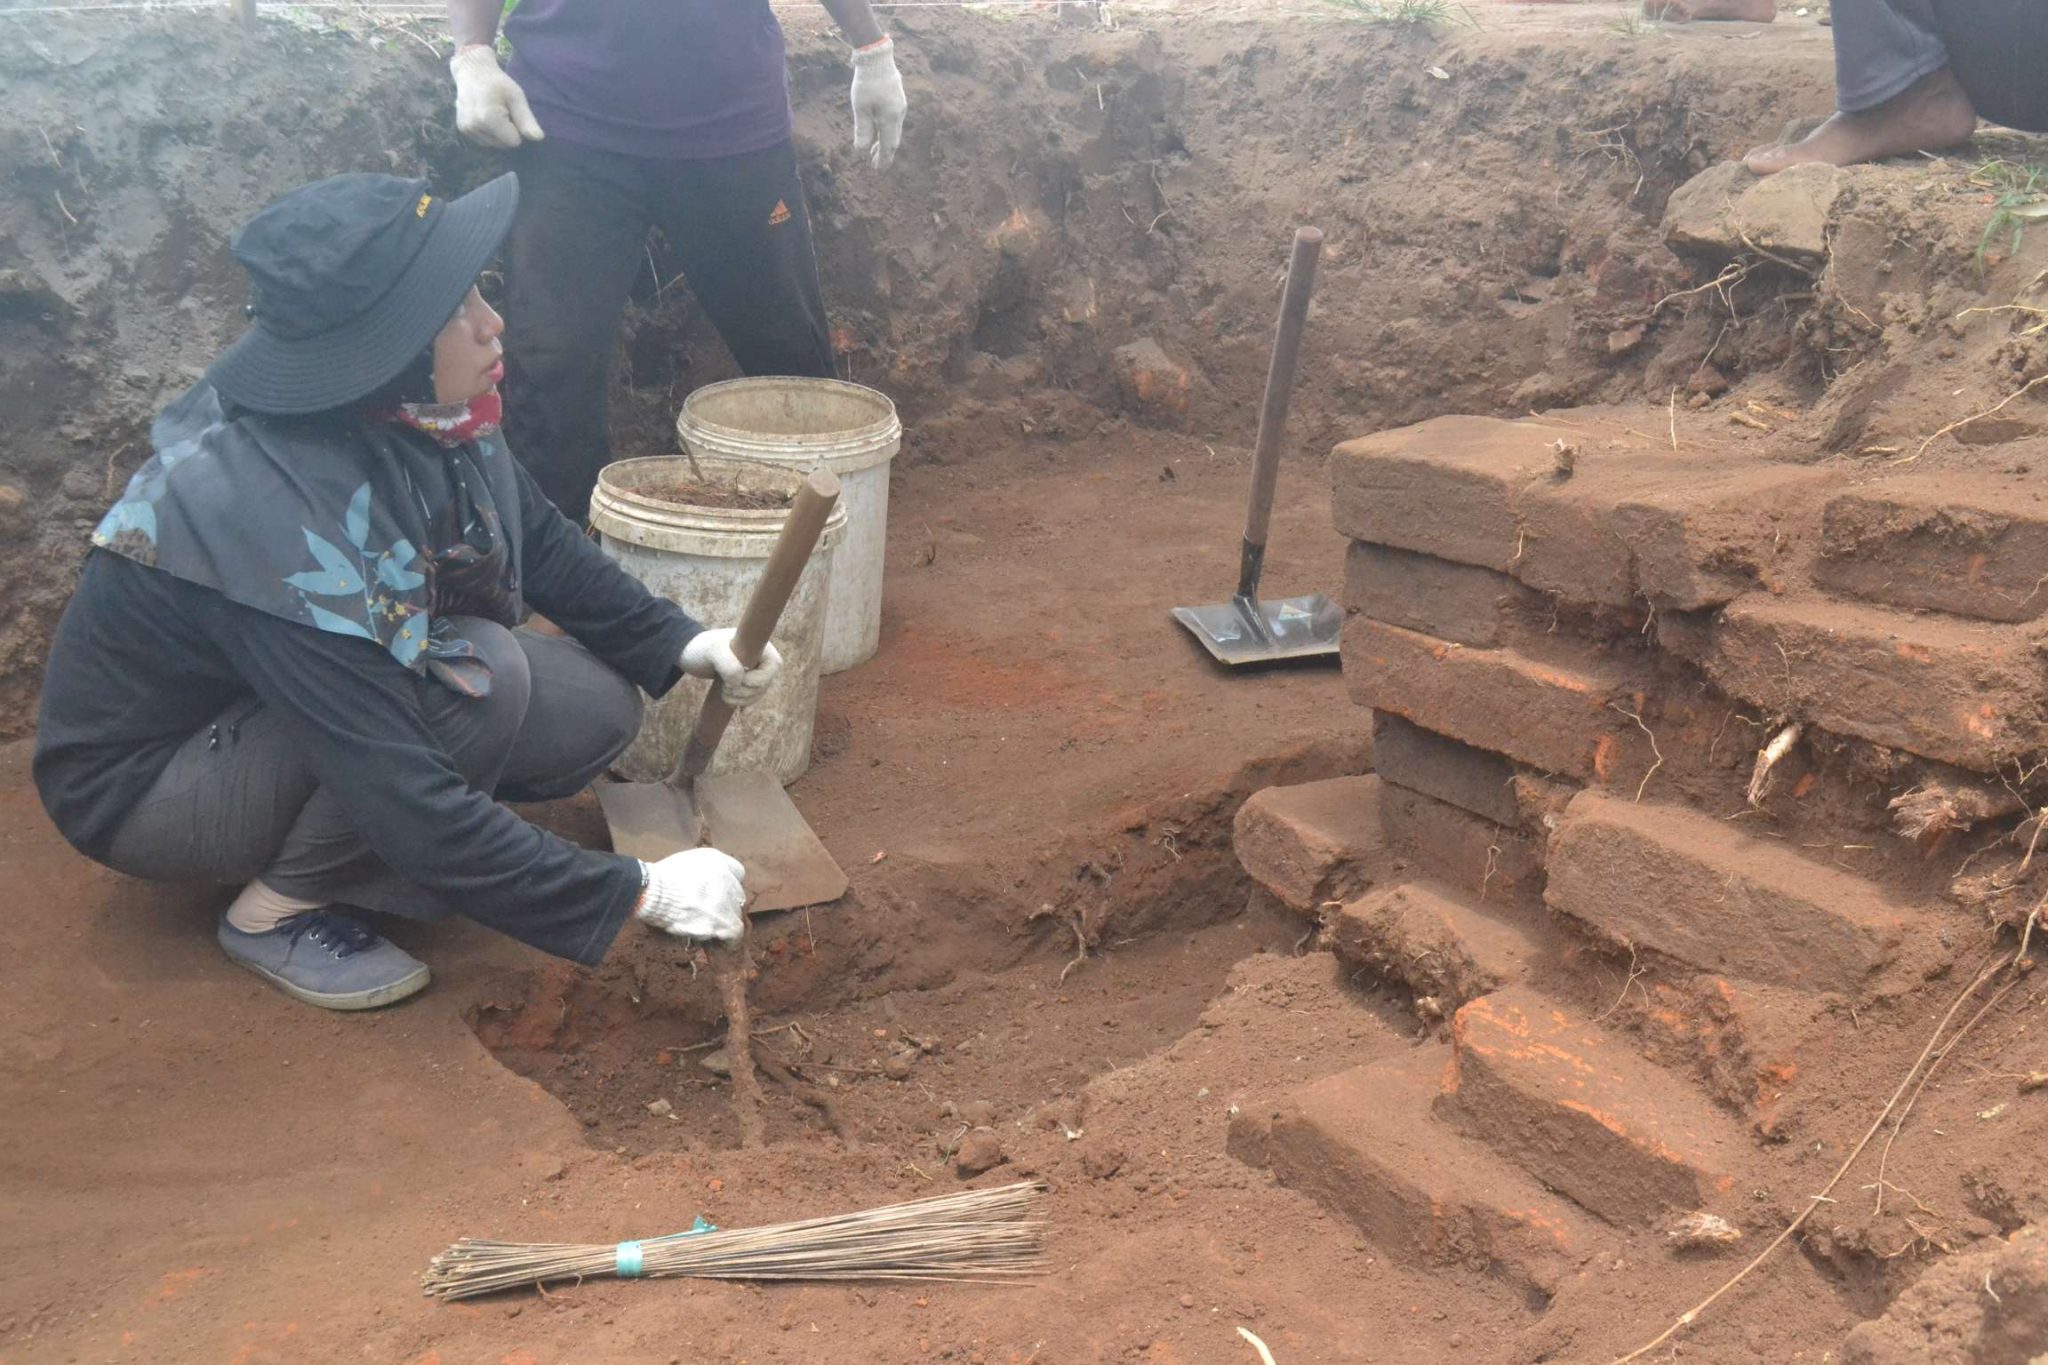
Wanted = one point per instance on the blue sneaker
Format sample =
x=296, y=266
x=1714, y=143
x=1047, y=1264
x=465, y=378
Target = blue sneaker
x=328, y=960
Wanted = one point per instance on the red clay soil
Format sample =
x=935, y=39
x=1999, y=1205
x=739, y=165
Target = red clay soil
x=202, y=1170
x=1032, y=784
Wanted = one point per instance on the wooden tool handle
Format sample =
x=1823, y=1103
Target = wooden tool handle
x=800, y=532
x=1301, y=280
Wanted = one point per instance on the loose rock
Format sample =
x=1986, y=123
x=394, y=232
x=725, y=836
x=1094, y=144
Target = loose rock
x=981, y=1150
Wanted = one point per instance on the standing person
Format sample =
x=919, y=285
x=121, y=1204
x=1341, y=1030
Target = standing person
x=1915, y=76
x=293, y=661
x=629, y=114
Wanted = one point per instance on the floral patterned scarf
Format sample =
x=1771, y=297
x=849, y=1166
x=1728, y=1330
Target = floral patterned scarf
x=321, y=521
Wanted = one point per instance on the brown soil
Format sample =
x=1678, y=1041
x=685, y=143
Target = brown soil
x=703, y=493
x=1067, y=286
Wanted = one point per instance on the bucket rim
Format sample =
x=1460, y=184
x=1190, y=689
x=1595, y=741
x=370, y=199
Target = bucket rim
x=622, y=512
x=847, y=450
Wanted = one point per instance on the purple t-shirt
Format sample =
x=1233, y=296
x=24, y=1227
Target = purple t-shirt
x=679, y=79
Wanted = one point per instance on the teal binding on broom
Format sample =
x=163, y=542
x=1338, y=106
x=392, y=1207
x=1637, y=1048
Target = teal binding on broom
x=628, y=1259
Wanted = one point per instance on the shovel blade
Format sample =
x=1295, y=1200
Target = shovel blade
x=650, y=820
x=747, y=815
x=751, y=817
x=1296, y=628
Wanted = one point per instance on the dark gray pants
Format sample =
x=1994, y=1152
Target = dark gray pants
x=740, y=230
x=237, y=802
x=1998, y=50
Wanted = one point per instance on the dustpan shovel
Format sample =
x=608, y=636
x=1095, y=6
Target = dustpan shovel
x=1245, y=630
x=747, y=815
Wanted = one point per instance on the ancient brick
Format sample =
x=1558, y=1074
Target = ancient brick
x=1697, y=889
x=1975, y=544
x=1559, y=718
x=1636, y=526
x=1495, y=864
x=1627, y=524
x=1313, y=842
x=1572, y=1106
x=1457, y=602
x=1476, y=780
x=1963, y=692
x=1446, y=487
x=1431, y=940
x=1362, y=1144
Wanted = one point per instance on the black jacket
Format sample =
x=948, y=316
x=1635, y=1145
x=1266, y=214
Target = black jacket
x=142, y=660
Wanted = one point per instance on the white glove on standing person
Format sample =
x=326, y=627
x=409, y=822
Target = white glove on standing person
x=878, y=103
x=709, y=655
x=697, y=893
x=490, y=108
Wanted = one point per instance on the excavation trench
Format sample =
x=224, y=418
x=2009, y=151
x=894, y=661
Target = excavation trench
x=1029, y=999
x=1067, y=285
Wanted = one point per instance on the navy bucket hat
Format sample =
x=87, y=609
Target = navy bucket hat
x=350, y=278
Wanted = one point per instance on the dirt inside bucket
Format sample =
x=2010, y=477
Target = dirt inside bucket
x=684, y=491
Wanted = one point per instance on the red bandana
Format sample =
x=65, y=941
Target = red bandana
x=453, y=424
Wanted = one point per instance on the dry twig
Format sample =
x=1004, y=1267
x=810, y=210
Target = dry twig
x=1814, y=1201
x=1655, y=752
x=1960, y=423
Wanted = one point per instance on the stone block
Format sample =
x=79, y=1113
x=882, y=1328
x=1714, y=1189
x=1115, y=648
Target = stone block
x=1973, y=544
x=1476, y=780
x=1461, y=603
x=1362, y=1143
x=1446, y=487
x=1495, y=864
x=1572, y=1106
x=1433, y=941
x=1963, y=692
x=1559, y=717
x=1312, y=842
x=1697, y=889
x=1724, y=212
x=1636, y=527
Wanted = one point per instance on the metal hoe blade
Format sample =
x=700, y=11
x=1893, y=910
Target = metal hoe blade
x=1283, y=628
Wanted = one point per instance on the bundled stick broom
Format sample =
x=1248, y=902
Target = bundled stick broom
x=979, y=1235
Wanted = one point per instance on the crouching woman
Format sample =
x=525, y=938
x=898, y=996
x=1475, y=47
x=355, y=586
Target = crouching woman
x=294, y=662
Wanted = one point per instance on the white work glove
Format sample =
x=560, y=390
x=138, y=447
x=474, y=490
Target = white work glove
x=490, y=108
x=696, y=894
x=878, y=103
x=709, y=655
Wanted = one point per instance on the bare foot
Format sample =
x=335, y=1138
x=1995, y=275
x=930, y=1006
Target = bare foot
x=1687, y=11
x=1926, y=117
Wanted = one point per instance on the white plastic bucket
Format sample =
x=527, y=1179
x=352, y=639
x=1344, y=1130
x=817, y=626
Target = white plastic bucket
x=807, y=424
x=706, y=560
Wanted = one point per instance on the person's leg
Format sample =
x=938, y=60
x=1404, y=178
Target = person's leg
x=571, y=719
x=324, y=858
x=581, y=718
x=221, y=808
x=1998, y=51
x=742, y=233
x=219, y=812
x=1894, y=91
x=575, y=246
x=238, y=804
x=334, y=960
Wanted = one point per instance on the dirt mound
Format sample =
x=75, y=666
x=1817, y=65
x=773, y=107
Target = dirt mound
x=1083, y=224
x=1987, y=1308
